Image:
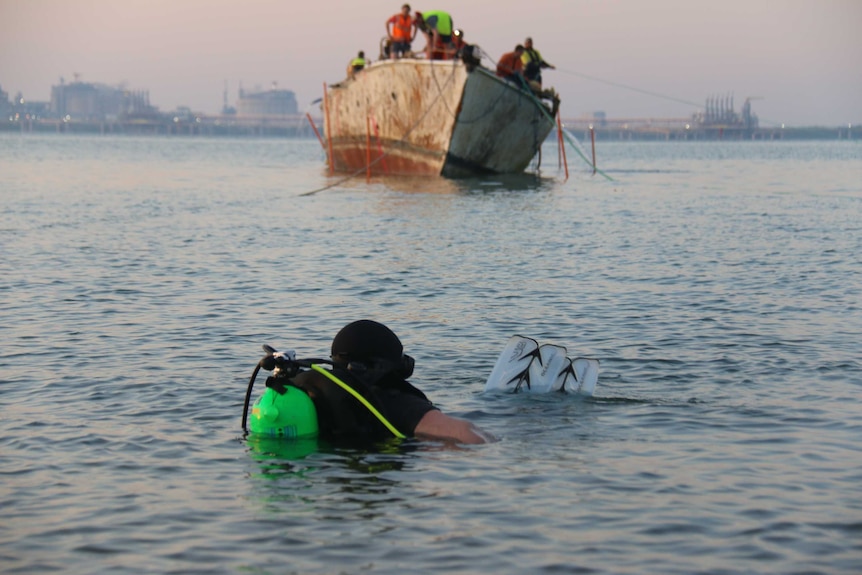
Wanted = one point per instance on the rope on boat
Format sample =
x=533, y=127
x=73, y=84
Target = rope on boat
x=565, y=133
x=383, y=156
x=489, y=108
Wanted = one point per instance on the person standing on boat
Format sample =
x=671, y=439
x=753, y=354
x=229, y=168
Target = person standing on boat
x=533, y=63
x=401, y=30
x=356, y=64
x=437, y=27
x=511, y=66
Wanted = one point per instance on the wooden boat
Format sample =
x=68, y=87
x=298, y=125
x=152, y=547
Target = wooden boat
x=435, y=117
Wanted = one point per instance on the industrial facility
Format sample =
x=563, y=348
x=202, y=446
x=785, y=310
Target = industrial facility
x=98, y=102
x=273, y=103
x=83, y=107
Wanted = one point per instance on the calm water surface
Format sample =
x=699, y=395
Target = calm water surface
x=718, y=283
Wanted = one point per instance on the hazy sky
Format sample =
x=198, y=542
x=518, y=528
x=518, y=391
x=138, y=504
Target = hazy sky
x=803, y=58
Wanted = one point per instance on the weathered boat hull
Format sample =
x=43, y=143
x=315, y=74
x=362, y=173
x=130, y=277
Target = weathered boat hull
x=409, y=117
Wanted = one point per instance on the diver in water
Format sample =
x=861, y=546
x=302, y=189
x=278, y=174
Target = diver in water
x=372, y=348
x=364, y=397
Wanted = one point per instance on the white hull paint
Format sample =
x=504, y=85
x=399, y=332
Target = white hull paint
x=409, y=117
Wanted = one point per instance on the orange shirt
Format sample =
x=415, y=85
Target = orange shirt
x=401, y=27
x=509, y=64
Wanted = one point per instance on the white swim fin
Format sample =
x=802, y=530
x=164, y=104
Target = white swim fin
x=579, y=376
x=512, y=370
x=545, y=368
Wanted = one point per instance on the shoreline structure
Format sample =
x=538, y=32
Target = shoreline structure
x=299, y=126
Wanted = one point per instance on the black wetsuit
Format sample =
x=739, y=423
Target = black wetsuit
x=341, y=417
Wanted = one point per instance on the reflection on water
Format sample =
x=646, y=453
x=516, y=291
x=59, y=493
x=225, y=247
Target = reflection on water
x=526, y=182
x=270, y=452
x=509, y=183
x=324, y=479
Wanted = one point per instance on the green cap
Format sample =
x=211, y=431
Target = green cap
x=289, y=414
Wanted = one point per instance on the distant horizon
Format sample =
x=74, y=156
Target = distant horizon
x=314, y=111
x=629, y=59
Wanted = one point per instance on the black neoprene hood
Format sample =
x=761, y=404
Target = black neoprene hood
x=365, y=339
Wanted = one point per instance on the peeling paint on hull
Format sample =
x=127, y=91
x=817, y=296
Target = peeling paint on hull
x=416, y=117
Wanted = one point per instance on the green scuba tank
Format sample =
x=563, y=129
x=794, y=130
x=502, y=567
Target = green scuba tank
x=288, y=414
